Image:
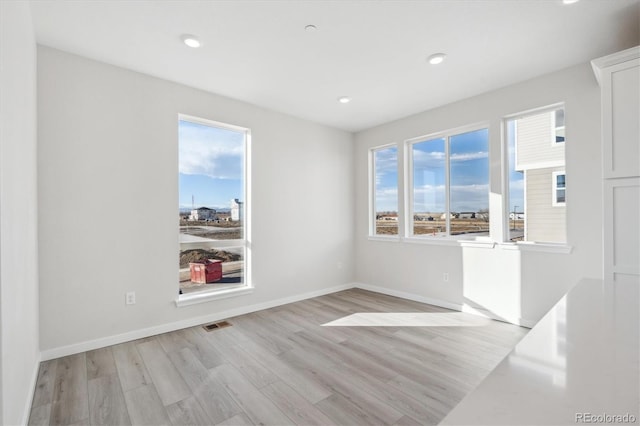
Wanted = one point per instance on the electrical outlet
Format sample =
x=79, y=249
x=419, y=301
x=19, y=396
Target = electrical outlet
x=130, y=298
x=445, y=277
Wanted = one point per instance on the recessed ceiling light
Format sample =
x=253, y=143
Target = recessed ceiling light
x=310, y=28
x=570, y=1
x=436, y=58
x=190, y=40
x=344, y=99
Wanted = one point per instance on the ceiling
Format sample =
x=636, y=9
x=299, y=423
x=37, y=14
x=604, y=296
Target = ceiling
x=372, y=51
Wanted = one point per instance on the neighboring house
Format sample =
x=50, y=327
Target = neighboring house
x=540, y=156
x=203, y=213
x=237, y=210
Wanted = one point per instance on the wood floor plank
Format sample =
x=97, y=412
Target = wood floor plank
x=45, y=383
x=40, y=415
x=344, y=412
x=100, y=363
x=168, y=383
x=70, y=399
x=252, y=369
x=172, y=341
x=256, y=405
x=309, y=388
x=280, y=366
x=294, y=405
x=106, y=401
x=208, y=355
x=131, y=369
x=354, y=389
x=188, y=412
x=237, y=420
x=209, y=392
x=145, y=407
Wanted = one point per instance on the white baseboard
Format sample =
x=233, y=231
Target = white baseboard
x=409, y=296
x=32, y=386
x=191, y=322
x=522, y=322
x=444, y=304
x=178, y=325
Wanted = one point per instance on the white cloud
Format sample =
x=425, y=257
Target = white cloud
x=468, y=156
x=210, y=151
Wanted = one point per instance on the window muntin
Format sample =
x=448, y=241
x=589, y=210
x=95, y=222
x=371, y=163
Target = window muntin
x=536, y=196
x=212, y=201
x=384, y=210
x=450, y=184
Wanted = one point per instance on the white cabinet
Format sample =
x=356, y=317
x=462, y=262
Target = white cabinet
x=619, y=79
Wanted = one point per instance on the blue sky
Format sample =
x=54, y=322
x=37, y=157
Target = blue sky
x=469, y=174
x=210, y=165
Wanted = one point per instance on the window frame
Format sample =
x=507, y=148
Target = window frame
x=372, y=192
x=506, y=196
x=555, y=127
x=247, y=285
x=409, y=179
x=554, y=188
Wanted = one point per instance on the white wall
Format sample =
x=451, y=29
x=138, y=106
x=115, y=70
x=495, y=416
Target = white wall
x=108, y=154
x=531, y=282
x=19, y=348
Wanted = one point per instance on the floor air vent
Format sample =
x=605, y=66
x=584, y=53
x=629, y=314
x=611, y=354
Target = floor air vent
x=216, y=325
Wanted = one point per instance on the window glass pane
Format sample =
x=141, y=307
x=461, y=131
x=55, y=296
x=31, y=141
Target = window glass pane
x=429, y=188
x=386, y=191
x=469, y=177
x=559, y=119
x=211, y=206
x=535, y=186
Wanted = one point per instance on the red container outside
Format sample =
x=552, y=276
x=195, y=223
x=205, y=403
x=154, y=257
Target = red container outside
x=206, y=271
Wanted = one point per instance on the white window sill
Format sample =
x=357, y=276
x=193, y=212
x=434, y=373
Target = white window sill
x=389, y=239
x=539, y=247
x=435, y=241
x=208, y=296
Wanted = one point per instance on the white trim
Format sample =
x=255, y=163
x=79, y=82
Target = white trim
x=388, y=239
x=372, y=186
x=444, y=304
x=477, y=244
x=554, y=188
x=32, y=386
x=408, y=296
x=409, y=173
x=436, y=241
x=245, y=242
x=615, y=58
x=543, y=165
x=537, y=247
x=522, y=322
x=208, y=296
x=178, y=325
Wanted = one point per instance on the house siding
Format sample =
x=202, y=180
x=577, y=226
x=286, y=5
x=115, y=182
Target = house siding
x=545, y=222
x=534, y=144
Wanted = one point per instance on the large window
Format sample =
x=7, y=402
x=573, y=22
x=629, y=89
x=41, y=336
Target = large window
x=536, y=176
x=384, y=167
x=449, y=190
x=212, y=205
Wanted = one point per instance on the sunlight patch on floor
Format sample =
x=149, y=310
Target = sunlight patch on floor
x=409, y=319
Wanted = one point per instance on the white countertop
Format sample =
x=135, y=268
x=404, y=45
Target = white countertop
x=582, y=357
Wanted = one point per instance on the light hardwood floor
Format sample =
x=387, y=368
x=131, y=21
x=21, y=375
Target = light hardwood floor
x=281, y=366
